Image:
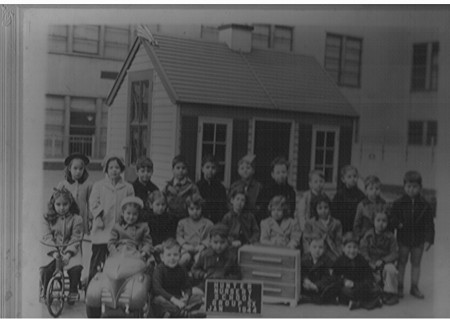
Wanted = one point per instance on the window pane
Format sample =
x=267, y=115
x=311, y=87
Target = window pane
x=261, y=36
x=330, y=139
x=209, y=33
x=208, y=132
x=319, y=157
x=328, y=175
x=58, y=38
x=329, y=157
x=220, y=153
x=144, y=102
x=207, y=149
x=415, y=133
x=320, y=139
x=283, y=38
x=419, y=67
x=86, y=39
x=432, y=132
x=117, y=40
x=135, y=93
x=221, y=133
x=82, y=119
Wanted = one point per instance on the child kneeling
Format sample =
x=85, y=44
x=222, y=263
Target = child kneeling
x=172, y=287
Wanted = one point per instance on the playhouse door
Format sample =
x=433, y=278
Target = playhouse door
x=271, y=139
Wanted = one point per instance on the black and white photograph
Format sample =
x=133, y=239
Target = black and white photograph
x=213, y=161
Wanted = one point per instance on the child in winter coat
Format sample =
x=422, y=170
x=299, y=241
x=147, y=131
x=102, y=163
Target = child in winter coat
x=143, y=185
x=63, y=225
x=279, y=229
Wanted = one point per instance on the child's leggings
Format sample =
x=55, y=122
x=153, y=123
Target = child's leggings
x=99, y=254
x=47, y=273
x=416, y=257
x=390, y=278
x=162, y=305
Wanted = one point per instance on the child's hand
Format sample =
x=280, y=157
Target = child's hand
x=307, y=284
x=65, y=258
x=236, y=243
x=143, y=255
x=379, y=263
x=55, y=255
x=348, y=283
x=177, y=302
x=427, y=246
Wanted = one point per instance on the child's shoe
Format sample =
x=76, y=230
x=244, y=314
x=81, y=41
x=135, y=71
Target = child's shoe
x=73, y=296
x=196, y=314
x=390, y=299
x=374, y=303
x=166, y=315
x=416, y=292
x=353, y=304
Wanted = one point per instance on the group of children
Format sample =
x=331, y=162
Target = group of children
x=193, y=230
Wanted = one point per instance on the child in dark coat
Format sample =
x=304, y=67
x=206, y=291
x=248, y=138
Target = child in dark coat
x=358, y=287
x=412, y=217
x=347, y=198
x=143, y=185
x=212, y=191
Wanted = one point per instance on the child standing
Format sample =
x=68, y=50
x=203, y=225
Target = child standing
x=193, y=231
x=280, y=229
x=306, y=210
x=179, y=188
x=63, y=225
x=412, y=217
x=143, y=185
x=104, y=204
x=358, y=288
x=347, y=198
x=172, y=286
x=212, y=191
x=129, y=232
x=252, y=188
x=242, y=225
x=329, y=228
x=76, y=182
x=367, y=208
x=319, y=286
x=218, y=261
x=277, y=186
x=380, y=249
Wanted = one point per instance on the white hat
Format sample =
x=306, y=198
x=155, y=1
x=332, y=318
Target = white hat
x=132, y=199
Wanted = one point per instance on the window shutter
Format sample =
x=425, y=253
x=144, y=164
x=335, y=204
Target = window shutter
x=188, y=145
x=304, y=155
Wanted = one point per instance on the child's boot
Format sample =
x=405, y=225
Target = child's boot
x=400, y=291
x=416, y=292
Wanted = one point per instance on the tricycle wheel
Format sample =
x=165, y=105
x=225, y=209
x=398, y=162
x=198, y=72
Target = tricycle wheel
x=146, y=311
x=93, y=312
x=55, y=296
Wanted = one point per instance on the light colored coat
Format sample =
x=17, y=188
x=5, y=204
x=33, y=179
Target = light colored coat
x=104, y=204
x=331, y=233
x=136, y=236
x=283, y=234
x=194, y=232
x=66, y=229
x=81, y=193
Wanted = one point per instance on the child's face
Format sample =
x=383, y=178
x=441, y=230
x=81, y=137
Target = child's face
x=62, y=205
x=351, y=250
x=316, y=183
x=323, y=210
x=316, y=248
x=218, y=244
x=373, y=191
x=245, y=170
x=144, y=174
x=380, y=222
x=179, y=171
x=171, y=256
x=280, y=173
x=350, y=178
x=76, y=169
x=159, y=206
x=277, y=213
x=130, y=214
x=412, y=189
x=209, y=170
x=195, y=211
x=113, y=170
x=238, y=203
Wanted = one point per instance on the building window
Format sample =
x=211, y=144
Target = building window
x=343, y=59
x=282, y=38
x=325, y=150
x=86, y=39
x=209, y=33
x=425, y=67
x=58, y=38
x=117, y=41
x=261, y=36
x=82, y=132
x=422, y=133
x=215, y=138
x=266, y=36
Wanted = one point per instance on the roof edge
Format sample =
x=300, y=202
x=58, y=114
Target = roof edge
x=236, y=26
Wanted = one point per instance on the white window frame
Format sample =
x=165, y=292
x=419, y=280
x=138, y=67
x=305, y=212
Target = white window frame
x=326, y=128
x=228, y=146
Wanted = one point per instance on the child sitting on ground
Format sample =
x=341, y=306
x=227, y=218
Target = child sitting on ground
x=143, y=185
x=129, y=231
x=242, y=225
x=212, y=191
x=277, y=186
x=319, y=286
x=367, y=208
x=251, y=187
x=412, y=217
x=172, y=287
x=218, y=261
x=358, y=288
x=193, y=231
x=347, y=198
x=280, y=229
x=380, y=249
x=327, y=227
x=179, y=188
x=305, y=208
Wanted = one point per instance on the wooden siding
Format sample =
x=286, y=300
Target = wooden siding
x=188, y=143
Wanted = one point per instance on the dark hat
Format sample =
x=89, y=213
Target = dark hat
x=72, y=156
x=219, y=229
x=349, y=238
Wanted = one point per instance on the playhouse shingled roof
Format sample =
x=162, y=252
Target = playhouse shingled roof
x=210, y=73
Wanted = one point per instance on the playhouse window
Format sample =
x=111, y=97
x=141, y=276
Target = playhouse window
x=138, y=119
x=325, y=148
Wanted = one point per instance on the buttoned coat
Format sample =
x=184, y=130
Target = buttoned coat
x=365, y=212
x=176, y=195
x=194, y=232
x=136, y=236
x=283, y=234
x=331, y=233
x=104, y=203
x=376, y=247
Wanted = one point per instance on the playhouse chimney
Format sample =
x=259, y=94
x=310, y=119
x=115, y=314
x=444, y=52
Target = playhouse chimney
x=238, y=37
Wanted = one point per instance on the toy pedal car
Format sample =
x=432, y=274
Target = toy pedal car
x=122, y=288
